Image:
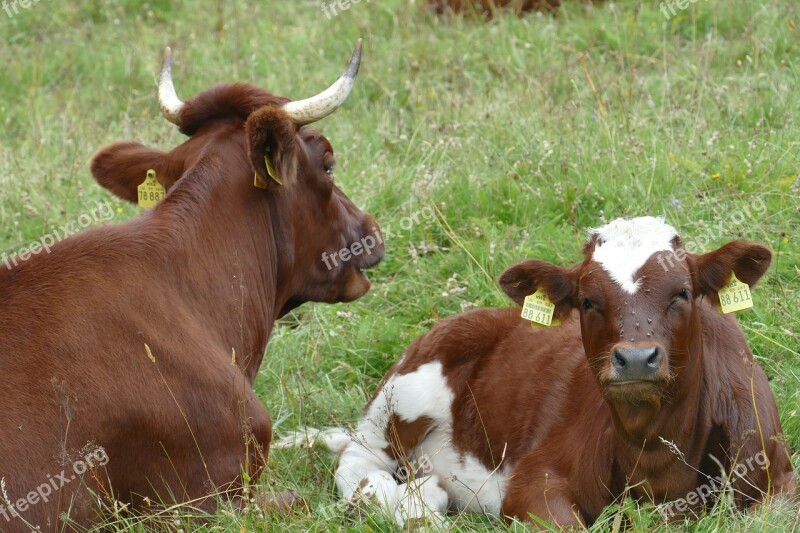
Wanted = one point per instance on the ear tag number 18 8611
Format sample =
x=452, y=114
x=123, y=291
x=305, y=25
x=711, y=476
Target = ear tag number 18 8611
x=735, y=296
x=539, y=309
x=150, y=192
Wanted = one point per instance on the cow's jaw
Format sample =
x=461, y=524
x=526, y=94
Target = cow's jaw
x=357, y=283
x=635, y=404
x=634, y=419
x=356, y=286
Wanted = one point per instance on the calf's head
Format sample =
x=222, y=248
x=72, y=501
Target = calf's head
x=638, y=293
x=251, y=151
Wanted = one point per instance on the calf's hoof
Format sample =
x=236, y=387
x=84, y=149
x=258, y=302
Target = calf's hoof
x=432, y=521
x=280, y=502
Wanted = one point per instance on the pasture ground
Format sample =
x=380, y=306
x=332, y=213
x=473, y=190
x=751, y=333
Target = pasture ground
x=520, y=133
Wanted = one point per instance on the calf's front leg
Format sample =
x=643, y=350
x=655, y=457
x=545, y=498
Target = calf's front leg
x=544, y=496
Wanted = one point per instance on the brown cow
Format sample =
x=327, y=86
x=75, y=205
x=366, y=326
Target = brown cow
x=488, y=8
x=645, y=387
x=128, y=353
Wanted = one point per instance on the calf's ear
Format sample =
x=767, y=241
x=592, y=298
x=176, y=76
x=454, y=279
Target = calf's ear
x=122, y=167
x=747, y=260
x=272, y=147
x=524, y=278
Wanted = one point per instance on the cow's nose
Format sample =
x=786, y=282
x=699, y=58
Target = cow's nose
x=636, y=363
x=373, y=242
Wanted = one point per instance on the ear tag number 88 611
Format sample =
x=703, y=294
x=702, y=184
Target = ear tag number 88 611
x=735, y=296
x=539, y=309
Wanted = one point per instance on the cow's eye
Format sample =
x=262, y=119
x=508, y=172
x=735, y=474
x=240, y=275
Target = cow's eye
x=682, y=296
x=328, y=164
x=586, y=304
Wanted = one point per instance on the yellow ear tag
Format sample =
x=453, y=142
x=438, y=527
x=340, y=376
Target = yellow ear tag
x=258, y=182
x=271, y=170
x=735, y=296
x=150, y=191
x=539, y=309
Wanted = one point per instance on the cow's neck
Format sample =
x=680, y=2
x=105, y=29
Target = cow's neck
x=238, y=259
x=657, y=439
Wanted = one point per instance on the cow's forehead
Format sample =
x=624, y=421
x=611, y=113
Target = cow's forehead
x=623, y=246
x=315, y=138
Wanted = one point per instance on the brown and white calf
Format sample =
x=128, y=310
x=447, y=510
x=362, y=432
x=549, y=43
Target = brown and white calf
x=644, y=387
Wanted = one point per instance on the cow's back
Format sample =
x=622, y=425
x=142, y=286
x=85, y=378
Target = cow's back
x=92, y=354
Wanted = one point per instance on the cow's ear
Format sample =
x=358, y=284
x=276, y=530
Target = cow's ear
x=272, y=147
x=122, y=167
x=712, y=271
x=524, y=278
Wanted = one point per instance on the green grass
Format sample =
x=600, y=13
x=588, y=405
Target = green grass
x=522, y=133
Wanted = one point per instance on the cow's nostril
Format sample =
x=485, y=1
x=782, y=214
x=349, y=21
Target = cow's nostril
x=619, y=359
x=636, y=363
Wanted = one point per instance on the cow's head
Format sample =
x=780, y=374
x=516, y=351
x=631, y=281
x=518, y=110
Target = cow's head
x=253, y=150
x=637, y=292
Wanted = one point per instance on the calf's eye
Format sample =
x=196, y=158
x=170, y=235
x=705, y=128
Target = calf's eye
x=682, y=296
x=586, y=304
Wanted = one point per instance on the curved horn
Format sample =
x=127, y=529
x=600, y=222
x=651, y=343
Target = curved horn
x=171, y=106
x=320, y=106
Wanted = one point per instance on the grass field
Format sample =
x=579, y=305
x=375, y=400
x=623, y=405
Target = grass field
x=519, y=133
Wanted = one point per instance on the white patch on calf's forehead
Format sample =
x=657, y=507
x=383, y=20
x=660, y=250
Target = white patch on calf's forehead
x=624, y=245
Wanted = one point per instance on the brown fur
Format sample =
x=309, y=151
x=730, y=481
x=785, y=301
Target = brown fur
x=575, y=441
x=489, y=8
x=195, y=283
x=402, y=436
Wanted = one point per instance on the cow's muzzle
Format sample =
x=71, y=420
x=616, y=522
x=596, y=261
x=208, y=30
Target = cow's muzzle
x=635, y=363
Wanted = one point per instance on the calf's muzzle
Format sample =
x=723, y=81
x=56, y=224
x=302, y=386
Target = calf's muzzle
x=635, y=362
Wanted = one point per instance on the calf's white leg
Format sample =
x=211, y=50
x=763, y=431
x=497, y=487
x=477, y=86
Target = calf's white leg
x=367, y=465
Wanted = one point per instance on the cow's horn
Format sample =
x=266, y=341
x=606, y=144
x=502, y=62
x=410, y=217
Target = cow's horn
x=320, y=106
x=171, y=106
